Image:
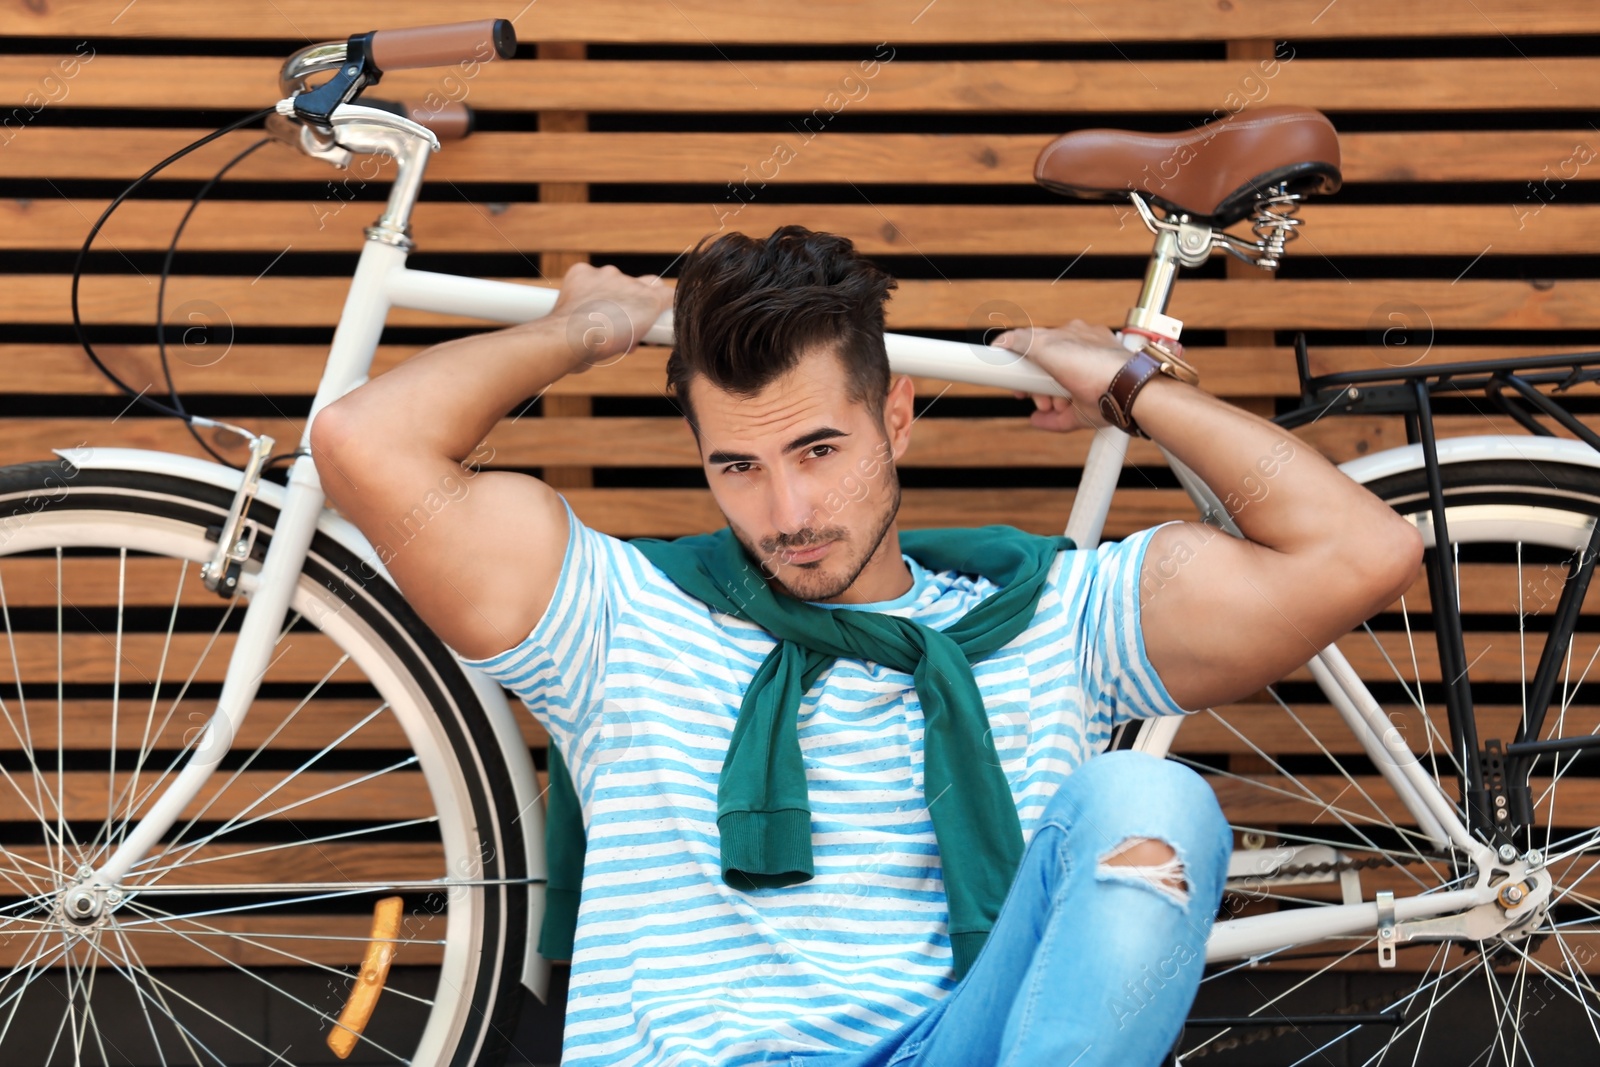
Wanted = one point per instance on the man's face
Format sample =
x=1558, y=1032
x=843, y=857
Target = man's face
x=801, y=466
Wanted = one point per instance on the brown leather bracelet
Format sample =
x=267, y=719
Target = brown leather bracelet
x=1117, y=401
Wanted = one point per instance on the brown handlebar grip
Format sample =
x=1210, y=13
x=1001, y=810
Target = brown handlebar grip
x=451, y=121
x=440, y=46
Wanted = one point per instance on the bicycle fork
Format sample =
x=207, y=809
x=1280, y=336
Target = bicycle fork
x=350, y=359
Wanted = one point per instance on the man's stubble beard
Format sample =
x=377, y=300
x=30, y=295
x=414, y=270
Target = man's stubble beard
x=820, y=584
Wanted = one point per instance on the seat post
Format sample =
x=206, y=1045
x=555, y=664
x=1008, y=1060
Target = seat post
x=1150, y=312
x=1160, y=274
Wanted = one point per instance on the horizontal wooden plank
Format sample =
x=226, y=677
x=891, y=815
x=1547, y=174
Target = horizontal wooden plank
x=1201, y=303
x=348, y=860
x=283, y=370
x=304, y=657
x=1265, y=727
x=280, y=370
x=312, y=794
x=699, y=21
x=1265, y=800
x=1491, y=656
x=643, y=441
x=251, y=940
x=86, y=725
x=876, y=81
x=676, y=512
x=59, y=152
x=1526, y=228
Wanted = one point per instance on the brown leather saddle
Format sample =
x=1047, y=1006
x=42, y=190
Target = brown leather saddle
x=1212, y=173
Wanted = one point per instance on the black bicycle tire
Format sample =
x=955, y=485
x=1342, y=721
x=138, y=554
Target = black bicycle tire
x=497, y=1000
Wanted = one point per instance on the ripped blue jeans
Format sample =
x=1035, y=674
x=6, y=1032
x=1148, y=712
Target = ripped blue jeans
x=1090, y=964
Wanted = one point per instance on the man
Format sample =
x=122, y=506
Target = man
x=650, y=692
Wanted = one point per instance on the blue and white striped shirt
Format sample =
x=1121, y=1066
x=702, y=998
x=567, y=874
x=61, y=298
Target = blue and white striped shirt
x=639, y=685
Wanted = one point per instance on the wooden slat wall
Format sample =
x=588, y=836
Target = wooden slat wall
x=623, y=132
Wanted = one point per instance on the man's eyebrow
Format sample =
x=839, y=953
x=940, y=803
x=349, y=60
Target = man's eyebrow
x=718, y=458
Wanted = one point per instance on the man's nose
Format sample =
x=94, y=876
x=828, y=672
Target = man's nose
x=792, y=510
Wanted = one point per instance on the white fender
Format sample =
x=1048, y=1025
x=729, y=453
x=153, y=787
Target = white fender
x=1469, y=449
x=497, y=706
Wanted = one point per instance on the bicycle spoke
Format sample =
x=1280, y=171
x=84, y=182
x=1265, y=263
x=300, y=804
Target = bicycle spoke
x=1287, y=992
x=249, y=760
x=63, y=827
x=322, y=1015
x=34, y=972
x=1592, y=1017
x=116, y=697
x=202, y=1009
x=183, y=753
x=1441, y=956
x=40, y=785
x=1430, y=729
x=333, y=895
x=1342, y=815
x=258, y=940
x=191, y=847
x=32, y=889
x=231, y=825
x=157, y=997
x=1389, y=823
x=303, y=843
x=1465, y=968
x=146, y=746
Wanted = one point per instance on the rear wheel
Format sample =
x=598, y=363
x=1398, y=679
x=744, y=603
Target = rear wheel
x=1318, y=825
x=365, y=770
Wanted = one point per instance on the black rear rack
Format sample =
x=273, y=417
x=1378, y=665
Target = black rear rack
x=1497, y=774
x=1394, y=390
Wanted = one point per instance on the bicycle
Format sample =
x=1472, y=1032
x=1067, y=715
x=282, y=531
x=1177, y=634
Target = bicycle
x=162, y=870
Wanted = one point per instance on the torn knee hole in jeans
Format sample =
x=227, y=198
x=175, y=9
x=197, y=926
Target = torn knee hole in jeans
x=1149, y=862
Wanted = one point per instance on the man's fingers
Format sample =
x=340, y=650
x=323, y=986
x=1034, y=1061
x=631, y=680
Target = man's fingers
x=1017, y=340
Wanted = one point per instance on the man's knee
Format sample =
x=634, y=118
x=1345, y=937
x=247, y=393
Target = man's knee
x=1147, y=861
x=1161, y=816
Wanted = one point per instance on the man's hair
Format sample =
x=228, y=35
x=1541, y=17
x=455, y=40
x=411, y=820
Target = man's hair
x=746, y=310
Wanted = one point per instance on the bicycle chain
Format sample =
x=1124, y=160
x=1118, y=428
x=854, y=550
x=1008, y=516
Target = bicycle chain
x=1332, y=866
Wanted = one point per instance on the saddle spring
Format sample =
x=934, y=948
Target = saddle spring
x=1274, y=224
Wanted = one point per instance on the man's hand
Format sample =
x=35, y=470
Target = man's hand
x=1082, y=358
x=607, y=312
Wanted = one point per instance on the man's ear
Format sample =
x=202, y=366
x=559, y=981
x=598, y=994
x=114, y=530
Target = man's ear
x=899, y=412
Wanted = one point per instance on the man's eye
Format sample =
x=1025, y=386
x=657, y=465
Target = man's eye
x=741, y=468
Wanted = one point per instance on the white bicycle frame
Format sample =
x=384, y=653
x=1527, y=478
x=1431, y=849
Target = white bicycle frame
x=383, y=281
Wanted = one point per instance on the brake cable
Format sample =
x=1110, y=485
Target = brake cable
x=161, y=297
x=175, y=409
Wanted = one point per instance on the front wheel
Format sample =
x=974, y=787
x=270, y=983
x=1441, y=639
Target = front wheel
x=364, y=770
x=1319, y=825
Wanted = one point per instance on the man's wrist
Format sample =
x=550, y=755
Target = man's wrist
x=1164, y=387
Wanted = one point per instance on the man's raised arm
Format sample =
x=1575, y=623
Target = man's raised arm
x=1223, y=616
x=477, y=554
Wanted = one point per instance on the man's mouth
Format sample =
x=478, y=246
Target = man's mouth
x=806, y=555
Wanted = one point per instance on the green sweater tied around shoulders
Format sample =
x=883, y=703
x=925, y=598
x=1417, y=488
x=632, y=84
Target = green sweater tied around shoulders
x=763, y=810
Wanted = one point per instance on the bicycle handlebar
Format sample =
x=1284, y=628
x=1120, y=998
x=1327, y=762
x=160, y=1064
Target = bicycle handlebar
x=440, y=46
